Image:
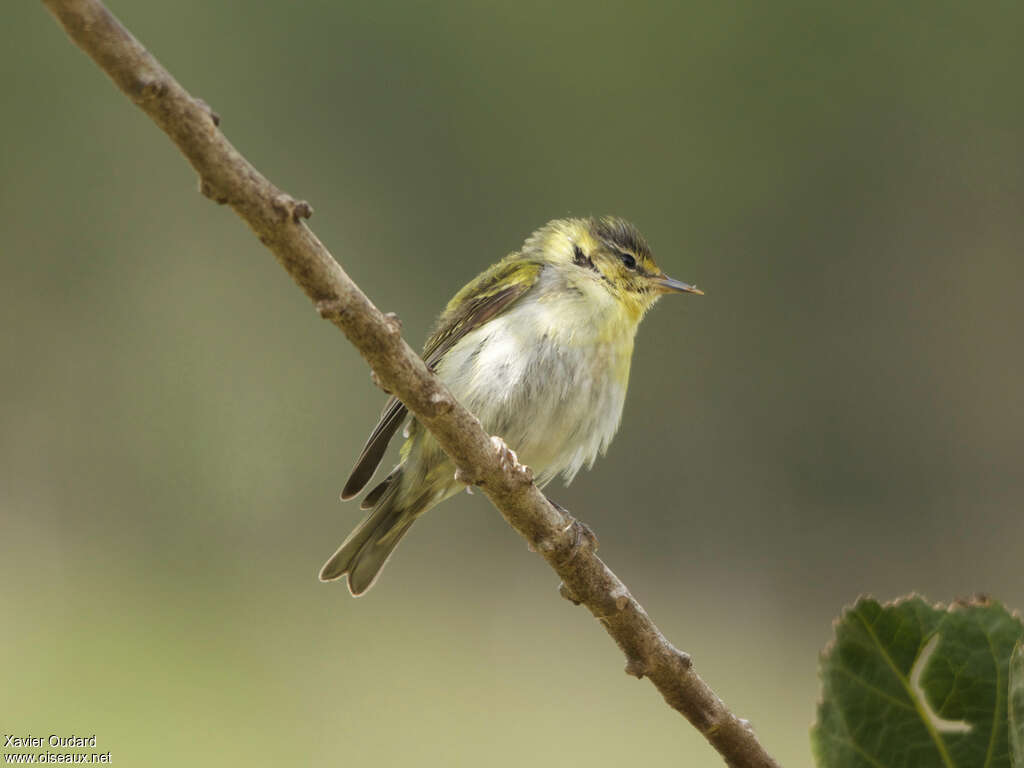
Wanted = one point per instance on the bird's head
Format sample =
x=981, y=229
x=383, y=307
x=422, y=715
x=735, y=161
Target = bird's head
x=609, y=253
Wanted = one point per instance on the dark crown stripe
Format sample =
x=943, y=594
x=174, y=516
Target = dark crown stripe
x=619, y=234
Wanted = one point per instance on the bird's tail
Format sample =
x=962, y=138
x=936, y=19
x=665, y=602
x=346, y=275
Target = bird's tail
x=368, y=547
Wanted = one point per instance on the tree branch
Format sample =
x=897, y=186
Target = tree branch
x=277, y=219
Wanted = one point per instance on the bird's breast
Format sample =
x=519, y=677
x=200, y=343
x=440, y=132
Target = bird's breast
x=549, y=379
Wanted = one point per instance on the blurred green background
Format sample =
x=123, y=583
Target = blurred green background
x=842, y=413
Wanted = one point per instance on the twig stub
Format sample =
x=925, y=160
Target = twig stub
x=290, y=208
x=214, y=117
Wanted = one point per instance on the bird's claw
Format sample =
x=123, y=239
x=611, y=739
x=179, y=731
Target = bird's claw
x=510, y=462
x=583, y=531
x=580, y=530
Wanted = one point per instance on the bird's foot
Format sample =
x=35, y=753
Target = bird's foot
x=510, y=465
x=581, y=531
x=510, y=462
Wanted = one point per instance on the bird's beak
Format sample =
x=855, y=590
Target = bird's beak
x=665, y=284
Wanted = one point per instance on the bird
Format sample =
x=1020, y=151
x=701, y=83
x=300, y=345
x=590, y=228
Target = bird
x=538, y=347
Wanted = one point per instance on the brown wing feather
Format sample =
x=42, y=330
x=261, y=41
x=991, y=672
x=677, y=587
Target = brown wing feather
x=370, y=500
x=482, y=300
x=376, y=444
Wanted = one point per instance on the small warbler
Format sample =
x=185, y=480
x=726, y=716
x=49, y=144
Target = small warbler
x=538, y=347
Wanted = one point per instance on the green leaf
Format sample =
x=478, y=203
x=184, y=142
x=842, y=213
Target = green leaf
x=914, y=685
x=1016, y=698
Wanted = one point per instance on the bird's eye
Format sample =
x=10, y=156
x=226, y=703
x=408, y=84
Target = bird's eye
x=628, y=260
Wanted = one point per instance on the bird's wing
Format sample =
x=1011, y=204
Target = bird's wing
x=369, y=459
x=483, y=299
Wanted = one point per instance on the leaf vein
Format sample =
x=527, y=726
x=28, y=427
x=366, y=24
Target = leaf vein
x=939, y=744
x=871, y=687
x=999, y=690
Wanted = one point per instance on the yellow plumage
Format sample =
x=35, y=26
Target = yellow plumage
x=539, y=348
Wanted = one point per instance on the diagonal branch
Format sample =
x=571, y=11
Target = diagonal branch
x=277, y=219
